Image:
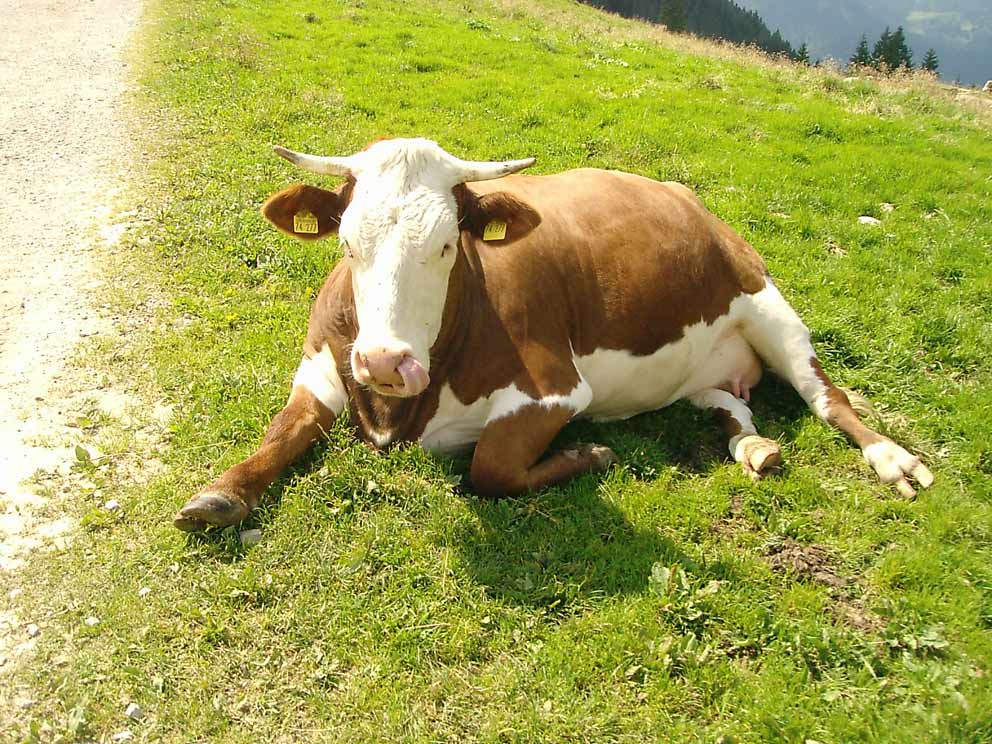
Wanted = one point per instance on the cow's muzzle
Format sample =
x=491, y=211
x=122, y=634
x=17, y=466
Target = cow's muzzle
x=394, y=372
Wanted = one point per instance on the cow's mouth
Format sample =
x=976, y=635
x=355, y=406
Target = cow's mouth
x=414, y=376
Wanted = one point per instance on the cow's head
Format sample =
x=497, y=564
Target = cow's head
x=399, y=217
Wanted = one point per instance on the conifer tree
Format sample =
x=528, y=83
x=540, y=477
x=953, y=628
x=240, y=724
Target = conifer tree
x=861, y=56
x=930, y=61
x=900, y=52
x=673, y=15
x=880, y=54
x=802, y=55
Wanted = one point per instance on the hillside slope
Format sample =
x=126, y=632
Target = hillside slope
x=668, y=600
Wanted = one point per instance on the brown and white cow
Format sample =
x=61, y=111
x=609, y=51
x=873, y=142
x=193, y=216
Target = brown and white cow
x=478, y=307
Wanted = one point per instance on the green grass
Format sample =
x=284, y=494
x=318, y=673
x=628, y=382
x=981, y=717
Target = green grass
x=381, y=605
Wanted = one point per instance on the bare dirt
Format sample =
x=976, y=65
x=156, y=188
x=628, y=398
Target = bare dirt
x=64, y=154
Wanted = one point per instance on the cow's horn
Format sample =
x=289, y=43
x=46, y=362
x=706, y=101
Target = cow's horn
x=328, y=166
x=483, y=171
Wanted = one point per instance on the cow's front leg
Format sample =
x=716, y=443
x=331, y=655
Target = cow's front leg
x=508, y=457
x=317, y=398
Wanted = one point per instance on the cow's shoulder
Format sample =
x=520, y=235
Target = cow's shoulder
x=332, y=318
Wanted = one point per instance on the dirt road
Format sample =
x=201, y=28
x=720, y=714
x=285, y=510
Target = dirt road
x=63, y=152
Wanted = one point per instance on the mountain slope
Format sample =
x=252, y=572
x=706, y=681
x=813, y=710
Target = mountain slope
x=959, y=30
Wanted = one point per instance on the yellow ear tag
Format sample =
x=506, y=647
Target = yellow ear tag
x=305, y=222
x=495, y=230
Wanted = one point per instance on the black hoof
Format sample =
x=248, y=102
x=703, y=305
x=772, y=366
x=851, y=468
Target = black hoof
x=210, y=509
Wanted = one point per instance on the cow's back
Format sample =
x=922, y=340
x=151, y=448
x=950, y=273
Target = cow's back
x=621, y=261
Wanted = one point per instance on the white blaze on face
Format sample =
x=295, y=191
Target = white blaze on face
x=399, y=234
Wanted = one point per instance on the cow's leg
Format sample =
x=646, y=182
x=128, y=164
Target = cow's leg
x=755, y=453
x=780, y=337
x=507, y=459
x=317, y=397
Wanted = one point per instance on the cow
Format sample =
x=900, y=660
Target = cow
x=478, y=306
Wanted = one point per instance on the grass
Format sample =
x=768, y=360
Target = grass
x=658, y=602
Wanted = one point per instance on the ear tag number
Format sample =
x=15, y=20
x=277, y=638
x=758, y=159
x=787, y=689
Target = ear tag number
x=495, y=230
x=305, y=222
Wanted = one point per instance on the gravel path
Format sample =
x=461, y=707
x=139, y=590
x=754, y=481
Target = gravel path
x=63, y=151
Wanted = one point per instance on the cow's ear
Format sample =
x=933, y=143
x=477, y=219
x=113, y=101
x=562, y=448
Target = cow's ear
x=497, y=218
x=307, y=212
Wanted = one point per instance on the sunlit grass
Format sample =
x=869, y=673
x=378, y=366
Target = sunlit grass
x=382, y=605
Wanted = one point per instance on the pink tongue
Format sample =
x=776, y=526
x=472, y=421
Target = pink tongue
x=415, y=379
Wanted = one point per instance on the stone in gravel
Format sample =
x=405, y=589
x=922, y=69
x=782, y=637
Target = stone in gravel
x=124, y=735
x=250, y=537
x=866, y=220
x=112, y=505
x=134, y=712
x=92, y=621
x=144, y=591
x=33, y=630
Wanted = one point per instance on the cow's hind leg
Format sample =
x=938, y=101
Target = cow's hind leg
x=782, y=340
x=316, y=398
x=756, y=454
x=507, y=459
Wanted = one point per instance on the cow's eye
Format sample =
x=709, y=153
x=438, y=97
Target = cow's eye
x=347, y=249
x=446, y=249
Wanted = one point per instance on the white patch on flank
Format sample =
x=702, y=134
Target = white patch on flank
x=616, y=384
x=319, y=375
x=707, y=356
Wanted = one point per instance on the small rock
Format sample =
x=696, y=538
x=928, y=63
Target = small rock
x=124, y=735
x=134, y=712
x=112, y=505
x=144, y=591
x=33, y=630
x=886, y=207
x=988, y=87
x=25, y=703
x=866, y=220
x=250, y=537
x=92, y=621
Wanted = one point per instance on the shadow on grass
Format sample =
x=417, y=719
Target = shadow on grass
x=561, y=549
x=565, y=543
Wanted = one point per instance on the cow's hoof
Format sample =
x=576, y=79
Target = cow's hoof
x=210, y=509
x=895, y=465
x=599, y=455
x=758, y=456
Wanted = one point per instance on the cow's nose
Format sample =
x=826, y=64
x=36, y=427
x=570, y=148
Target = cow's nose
x=379, y=365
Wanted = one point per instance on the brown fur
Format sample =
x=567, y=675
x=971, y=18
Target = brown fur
x=591, y=260
x=841, y=414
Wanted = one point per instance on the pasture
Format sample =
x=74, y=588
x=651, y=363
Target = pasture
x=670, y=599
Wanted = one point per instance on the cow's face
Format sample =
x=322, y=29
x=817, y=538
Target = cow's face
x=398, y=220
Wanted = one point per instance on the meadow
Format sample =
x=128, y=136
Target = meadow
x=668, y=600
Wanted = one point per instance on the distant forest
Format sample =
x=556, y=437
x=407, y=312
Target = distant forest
x=722, y=19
